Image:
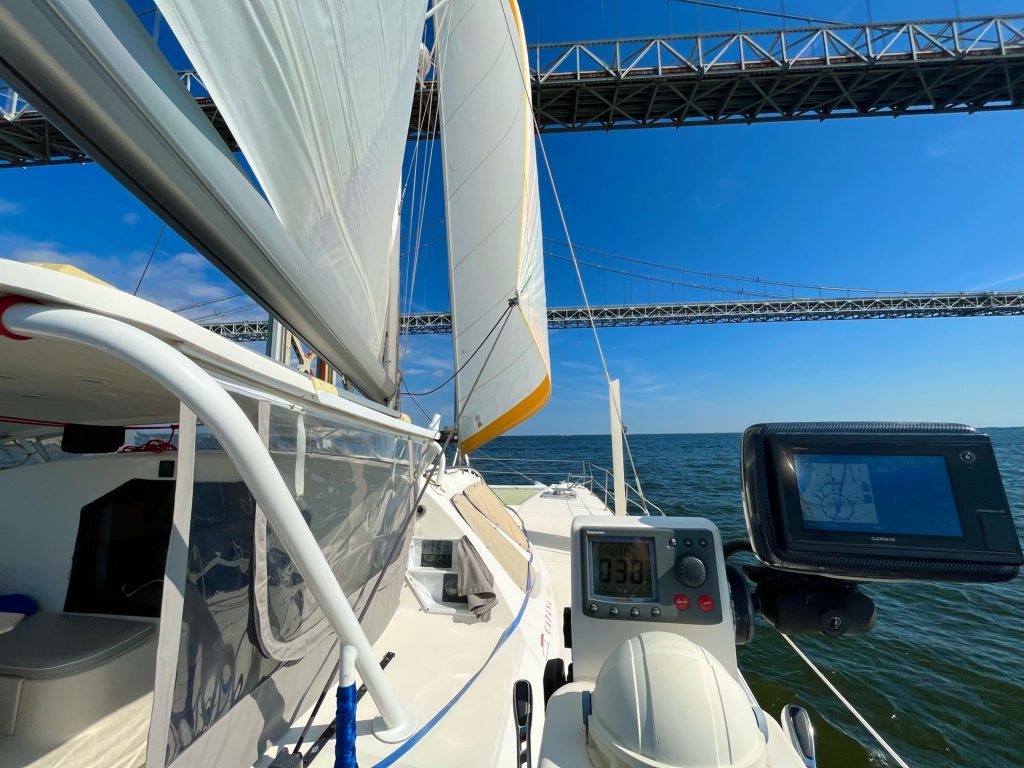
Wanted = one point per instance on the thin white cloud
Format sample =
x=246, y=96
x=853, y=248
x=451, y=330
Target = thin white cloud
x=9, y=207
x=172, y=282
x=129, y=219
x=999, y=281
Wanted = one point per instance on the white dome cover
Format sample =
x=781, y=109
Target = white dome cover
x=661, y=701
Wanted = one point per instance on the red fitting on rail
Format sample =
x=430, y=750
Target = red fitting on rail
x=6, y=302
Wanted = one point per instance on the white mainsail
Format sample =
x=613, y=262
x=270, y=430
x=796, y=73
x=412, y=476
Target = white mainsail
x=318, y=95
x=495, y=246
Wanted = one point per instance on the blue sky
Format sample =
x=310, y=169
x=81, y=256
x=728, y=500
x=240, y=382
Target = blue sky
x=920, y=203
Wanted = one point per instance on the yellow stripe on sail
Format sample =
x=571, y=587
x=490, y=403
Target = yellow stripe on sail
x=517, y=414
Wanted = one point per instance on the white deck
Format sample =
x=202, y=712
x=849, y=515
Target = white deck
x=437, y=656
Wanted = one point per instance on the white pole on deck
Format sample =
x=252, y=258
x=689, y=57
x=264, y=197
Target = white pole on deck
x=618, y=471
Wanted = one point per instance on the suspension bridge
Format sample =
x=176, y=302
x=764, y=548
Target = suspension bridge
x=992, y=304
x=819, y=72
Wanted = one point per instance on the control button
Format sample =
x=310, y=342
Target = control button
x=968, y=457
x=702, y=542
x=655, y=612
x=682, y=602
x=634, y=613
x=672, y=542
x=691, y=571
x=687, y=542
x=706, y=603
x=593, y=608
x=613, y=611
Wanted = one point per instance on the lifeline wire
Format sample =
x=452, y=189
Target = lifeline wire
x=572, y=252
x=756, y=11
x=885, y=745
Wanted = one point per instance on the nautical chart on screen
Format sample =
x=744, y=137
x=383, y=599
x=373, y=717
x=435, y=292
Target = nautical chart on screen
x=837, y=492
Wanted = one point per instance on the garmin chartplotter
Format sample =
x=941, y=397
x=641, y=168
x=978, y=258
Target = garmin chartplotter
x=867, y=501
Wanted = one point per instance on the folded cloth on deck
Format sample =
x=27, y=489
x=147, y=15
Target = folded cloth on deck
x=475, y=580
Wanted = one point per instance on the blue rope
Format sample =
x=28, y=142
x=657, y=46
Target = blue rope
x=345, y=738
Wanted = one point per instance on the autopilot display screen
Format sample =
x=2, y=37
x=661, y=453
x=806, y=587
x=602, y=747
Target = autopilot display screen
x=895, y=494
x=621, y=568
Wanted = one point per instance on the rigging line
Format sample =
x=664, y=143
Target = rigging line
x=725, y=276
x=758, y=11
x=209, y=301
x=227, y=312
x=480, y=346
x=152, y=253
x=485, y=457
x=413, y=168
x=847, y=704
x=434, y=113
x=434, y=223
x=417, y=404
x=665, y=280
x=415, y=251
x=572, y=250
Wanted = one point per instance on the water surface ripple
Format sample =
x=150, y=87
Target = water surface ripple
x=941, y=676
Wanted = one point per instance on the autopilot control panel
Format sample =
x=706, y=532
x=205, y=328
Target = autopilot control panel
x=664, y=575
x=638, y=574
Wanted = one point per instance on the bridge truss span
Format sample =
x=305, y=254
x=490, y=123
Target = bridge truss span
x=705, y=313
x=806, y=73
x=809, y=73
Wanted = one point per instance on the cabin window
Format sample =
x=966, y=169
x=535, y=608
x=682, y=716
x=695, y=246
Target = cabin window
x=118, y=563
x=354, y=487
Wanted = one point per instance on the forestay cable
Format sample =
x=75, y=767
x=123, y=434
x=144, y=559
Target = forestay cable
x=884, y=744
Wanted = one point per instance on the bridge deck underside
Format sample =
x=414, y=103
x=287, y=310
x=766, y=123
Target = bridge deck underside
x=677, y=96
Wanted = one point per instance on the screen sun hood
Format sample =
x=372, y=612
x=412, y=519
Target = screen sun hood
x=878, y=501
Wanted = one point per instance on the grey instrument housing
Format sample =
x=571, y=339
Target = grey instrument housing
x=987, y=550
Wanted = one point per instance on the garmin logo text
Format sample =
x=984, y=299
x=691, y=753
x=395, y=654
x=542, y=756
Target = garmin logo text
x=884, y=539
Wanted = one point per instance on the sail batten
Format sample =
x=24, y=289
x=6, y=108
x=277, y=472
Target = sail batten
x=493, y=219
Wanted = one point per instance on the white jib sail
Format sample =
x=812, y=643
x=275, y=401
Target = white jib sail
x=495, y=245
x=318, y=94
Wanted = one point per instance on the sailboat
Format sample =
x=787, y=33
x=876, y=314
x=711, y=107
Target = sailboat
x=201, y=543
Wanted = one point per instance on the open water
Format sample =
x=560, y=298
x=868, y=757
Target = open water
x=941, y=676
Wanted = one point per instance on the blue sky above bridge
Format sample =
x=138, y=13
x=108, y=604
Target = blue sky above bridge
x=920, y=203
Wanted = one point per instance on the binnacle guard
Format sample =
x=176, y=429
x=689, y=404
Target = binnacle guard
x=885, y=501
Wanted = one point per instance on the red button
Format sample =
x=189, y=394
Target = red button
x=682, y=602
x=706, y=603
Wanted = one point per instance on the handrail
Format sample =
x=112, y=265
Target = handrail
x=193, y=386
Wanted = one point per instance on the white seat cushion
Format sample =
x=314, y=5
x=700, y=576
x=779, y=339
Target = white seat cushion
x=49, y=645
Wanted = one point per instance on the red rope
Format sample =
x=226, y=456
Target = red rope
x=155, y=445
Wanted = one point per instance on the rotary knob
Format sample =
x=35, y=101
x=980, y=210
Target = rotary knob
x=691, y=571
